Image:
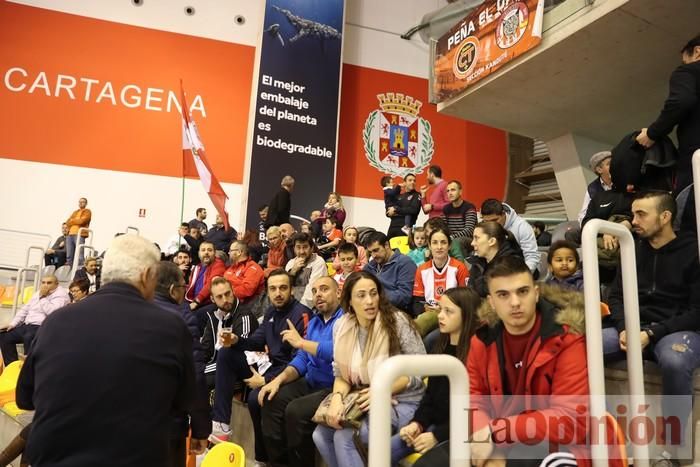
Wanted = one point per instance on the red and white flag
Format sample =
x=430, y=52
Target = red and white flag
x=195, y=164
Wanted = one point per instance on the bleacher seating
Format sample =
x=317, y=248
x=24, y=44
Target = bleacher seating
x=401, y=243
x=225, y=454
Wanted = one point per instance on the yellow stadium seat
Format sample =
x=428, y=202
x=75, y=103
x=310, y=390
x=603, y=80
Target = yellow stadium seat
x=401, y=243
x=27, y=294
x=8, y=296
x=331, y=269
x=11, y=409
x=225, y=454
x=8, y=382
x=409, y=460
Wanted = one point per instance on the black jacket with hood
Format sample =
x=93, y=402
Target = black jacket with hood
x=668, y=281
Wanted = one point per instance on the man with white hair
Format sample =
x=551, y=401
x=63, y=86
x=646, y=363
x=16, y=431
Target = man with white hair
x=114, y=363
x=279, y=209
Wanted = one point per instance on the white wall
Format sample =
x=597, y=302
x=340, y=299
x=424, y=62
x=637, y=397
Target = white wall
x=38, y=197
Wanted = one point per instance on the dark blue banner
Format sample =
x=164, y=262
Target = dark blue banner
x=296, y=111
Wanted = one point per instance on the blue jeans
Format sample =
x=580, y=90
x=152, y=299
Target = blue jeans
x=676, y=354
x=338, y=448
x=399, y=449
x=70, y=249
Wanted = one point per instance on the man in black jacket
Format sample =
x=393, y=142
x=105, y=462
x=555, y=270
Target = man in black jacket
x=170, y=295
x=682, y=109
x=409, y=204
x=280, y=207
x=668, y=278
x=106, y=374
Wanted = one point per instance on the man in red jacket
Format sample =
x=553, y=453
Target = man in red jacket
x=245, y=275
x=200, y=279
x=527, y=373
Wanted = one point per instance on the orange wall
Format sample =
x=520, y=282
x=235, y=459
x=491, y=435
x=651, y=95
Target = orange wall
x=101, y=135
x=474, y=154
x=61, y=130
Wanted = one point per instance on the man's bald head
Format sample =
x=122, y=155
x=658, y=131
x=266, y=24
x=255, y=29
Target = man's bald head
x=326, y=295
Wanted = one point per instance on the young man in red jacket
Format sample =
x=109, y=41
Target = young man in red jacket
x=527, y=373
x=200, y=279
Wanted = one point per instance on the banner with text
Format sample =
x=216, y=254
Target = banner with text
x=492, y=35
x=296, y=111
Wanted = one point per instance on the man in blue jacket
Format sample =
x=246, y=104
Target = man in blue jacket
x=395, y=271
x=292, y=397
x=170, y=295
x=232, y=366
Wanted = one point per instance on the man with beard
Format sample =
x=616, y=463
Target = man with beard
x=226, y=315
x=668, y=278
x=231, y=364
x=183, y=260
x=200, y=280
x=305, y=268
x=291, y=399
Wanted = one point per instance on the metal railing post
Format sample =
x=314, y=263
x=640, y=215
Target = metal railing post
x=696, y=189
x=37, y=276
x=135, y=229
x=380, y=403
x=19, y=287
x=78, y=249
x=594, y=332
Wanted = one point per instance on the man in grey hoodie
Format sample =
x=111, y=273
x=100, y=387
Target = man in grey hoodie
x=496, y=211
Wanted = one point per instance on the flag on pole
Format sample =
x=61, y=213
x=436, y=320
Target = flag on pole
x=194, y=161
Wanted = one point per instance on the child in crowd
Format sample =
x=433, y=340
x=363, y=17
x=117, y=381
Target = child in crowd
x=391, y=199
x=347, y=256
x=332, y=236
x=306, y=228
x=350, y=235
x=419, y=248
x=564, y=265
x=430, y=427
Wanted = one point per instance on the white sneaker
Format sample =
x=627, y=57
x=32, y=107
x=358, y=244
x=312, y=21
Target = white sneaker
x=260, y=464
x=219, y=432
x=406, y=230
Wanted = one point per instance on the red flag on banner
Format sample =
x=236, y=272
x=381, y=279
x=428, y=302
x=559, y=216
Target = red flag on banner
x=194, y=161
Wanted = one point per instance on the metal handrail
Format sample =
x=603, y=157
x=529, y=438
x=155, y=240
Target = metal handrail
x=696, y=189
x=19, y=287
x=380, y=403
x=23, y=232
x=78, y=250
x=37, y=279
x=135, y=229
x=594, y=333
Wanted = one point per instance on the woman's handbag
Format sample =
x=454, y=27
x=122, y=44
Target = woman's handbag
x=352, y=414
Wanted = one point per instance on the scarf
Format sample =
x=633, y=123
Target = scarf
x=355, y=365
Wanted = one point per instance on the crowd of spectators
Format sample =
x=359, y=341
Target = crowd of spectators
x=298, y=323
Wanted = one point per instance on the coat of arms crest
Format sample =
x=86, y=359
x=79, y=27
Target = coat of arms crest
x=397, y=141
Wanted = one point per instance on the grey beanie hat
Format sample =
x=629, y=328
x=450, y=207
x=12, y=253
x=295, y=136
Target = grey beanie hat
x=597, y=158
